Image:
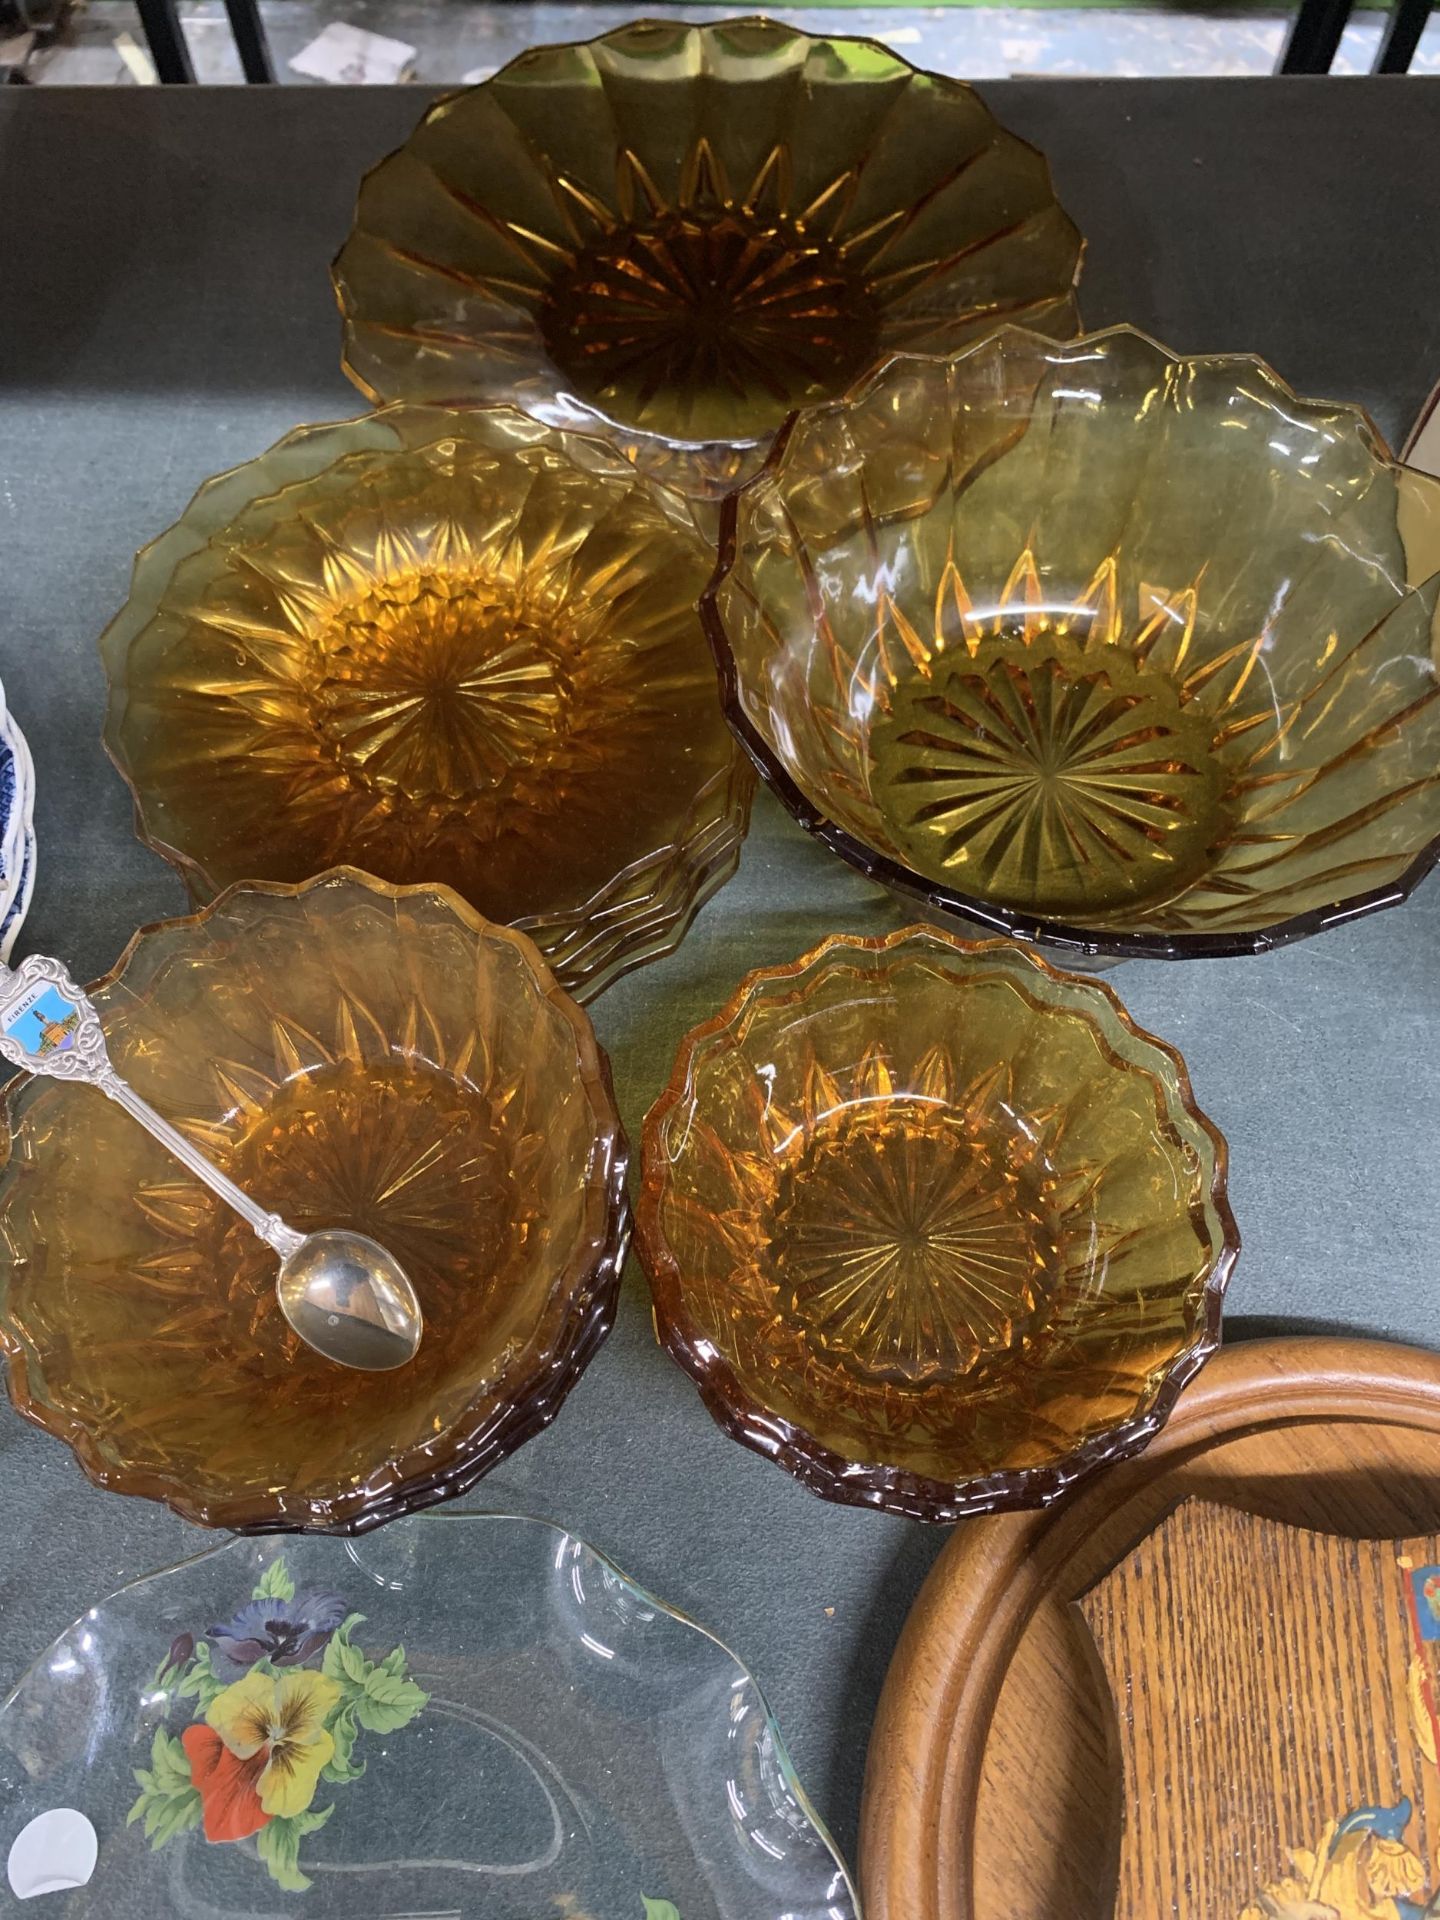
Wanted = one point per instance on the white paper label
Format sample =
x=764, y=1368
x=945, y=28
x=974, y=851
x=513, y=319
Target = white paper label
x=55, y=1852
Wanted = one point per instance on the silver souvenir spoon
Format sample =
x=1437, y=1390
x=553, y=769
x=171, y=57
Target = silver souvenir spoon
x=341, y=1291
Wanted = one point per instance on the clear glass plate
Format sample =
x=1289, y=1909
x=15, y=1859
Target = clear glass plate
x=510, y=1730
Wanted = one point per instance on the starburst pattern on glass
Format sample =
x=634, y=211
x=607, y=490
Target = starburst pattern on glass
x=446, y=645
x=1094, y=644
x=1049, y=779
x=352, y=1055
x=722, y=298
x=691, y=230
x=900, y=1237
x=933, y=1225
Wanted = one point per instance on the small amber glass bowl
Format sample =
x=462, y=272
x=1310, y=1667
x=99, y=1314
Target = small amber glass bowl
x=444, y=645
x=352, y=1055
x=681, y=232
x=1094, y=645
x=933, y=1226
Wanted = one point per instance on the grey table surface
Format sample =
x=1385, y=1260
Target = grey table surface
x=165, y=312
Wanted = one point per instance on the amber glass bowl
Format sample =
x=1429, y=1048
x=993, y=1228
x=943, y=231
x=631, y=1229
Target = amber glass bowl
x=1094, y=645
x=353, y=1055
x=443, y=645
x=935, y=1227
x=689, y=230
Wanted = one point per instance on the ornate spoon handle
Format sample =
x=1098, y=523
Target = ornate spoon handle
x=48, y=1025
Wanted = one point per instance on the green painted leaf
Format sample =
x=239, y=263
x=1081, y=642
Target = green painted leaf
x=394, y=1663
x=192, y=1678
x=354, y=1665
x=341, y=1768
x=168, y=1803
x=344, y=1664
x=275, y=1582
x=198, y=1682
x=659, y=1909
x=387, y=1687
x=179, y=1817
x=170, y=1762
x=388, y=1703
x=279, y=1844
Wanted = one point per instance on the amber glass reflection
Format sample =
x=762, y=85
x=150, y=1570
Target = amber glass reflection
x=693, y=229
x=1095, y=644
x=353, y=1056
x=445, y=645
x=933, y=1225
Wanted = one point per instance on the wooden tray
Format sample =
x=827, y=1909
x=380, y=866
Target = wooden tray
x=992, y=1790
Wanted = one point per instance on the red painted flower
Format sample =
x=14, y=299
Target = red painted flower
x=231, y=1805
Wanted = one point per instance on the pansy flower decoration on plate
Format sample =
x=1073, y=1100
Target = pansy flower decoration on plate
x=282, y=1697
x=456, y=1713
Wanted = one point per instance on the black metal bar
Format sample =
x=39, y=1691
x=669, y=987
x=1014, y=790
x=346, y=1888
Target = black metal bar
x=1315, y=36
x=1402, y=36
x=250, y=41
x=166, y=42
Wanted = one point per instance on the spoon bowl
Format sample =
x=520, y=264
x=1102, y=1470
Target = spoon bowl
x=351, y=1300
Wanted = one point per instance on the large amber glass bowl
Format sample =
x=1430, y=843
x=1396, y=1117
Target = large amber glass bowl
x=353, y=1055
x=689, y=230
x=933, y=1226
x=1094, y=645
x=445, y=645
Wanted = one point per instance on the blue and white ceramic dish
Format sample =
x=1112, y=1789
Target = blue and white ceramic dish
x=17, y=829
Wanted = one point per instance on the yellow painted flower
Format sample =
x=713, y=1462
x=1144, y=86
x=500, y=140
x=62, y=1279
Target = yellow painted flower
x=1393, y=1869
x=282, y=1716
x=1288, y=1899
x=1364, y=1873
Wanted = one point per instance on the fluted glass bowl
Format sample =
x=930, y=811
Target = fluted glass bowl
x=442, y=644
x=933, y=1226
x=352, y=1055
x=688, y=230
x=1095, y=645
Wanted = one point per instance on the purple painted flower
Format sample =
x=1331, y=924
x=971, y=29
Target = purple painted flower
x=182, y=1649
x=287, y=1632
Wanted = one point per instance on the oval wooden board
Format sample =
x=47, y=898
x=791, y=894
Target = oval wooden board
x=991, y=1790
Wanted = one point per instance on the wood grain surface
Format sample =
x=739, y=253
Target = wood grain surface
x=1272, y=1751
x=993, y=1785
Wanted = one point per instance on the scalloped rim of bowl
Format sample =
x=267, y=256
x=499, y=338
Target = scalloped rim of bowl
x=595, y=1288
x=822, y=1469
x=592, y=420
x=218, y=499
x=1065, y=936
